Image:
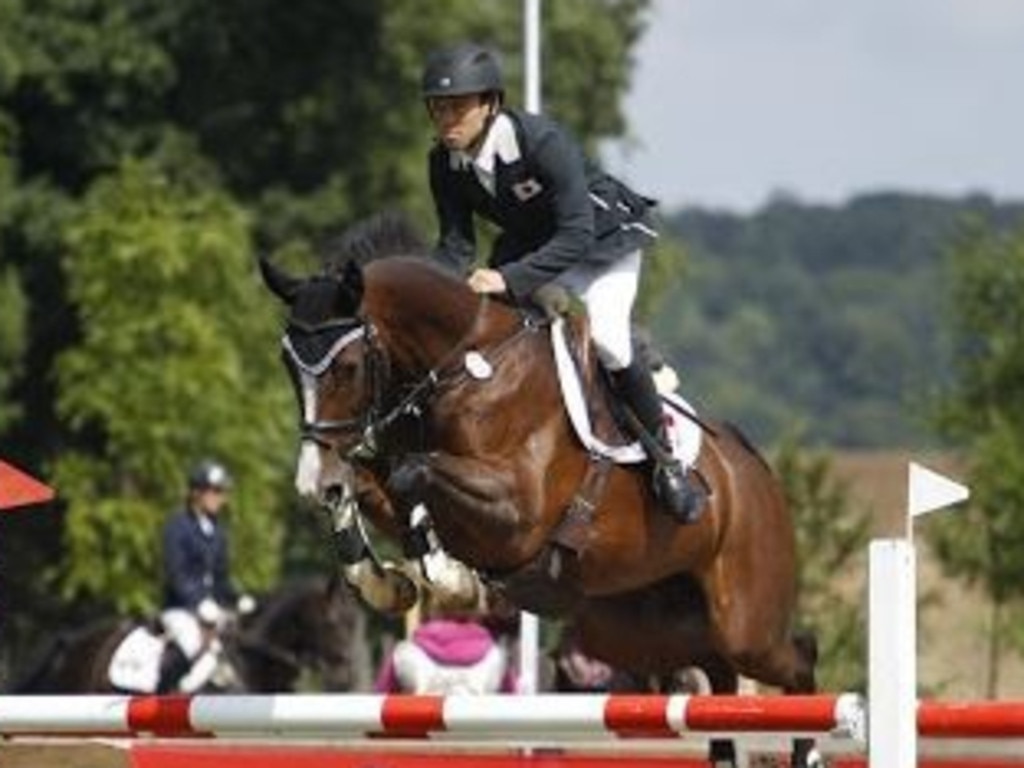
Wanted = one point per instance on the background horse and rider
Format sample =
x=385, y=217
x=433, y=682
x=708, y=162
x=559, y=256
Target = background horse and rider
x=310, y=631
x=416, y=392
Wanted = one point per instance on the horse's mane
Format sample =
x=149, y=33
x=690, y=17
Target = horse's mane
x=389, y=233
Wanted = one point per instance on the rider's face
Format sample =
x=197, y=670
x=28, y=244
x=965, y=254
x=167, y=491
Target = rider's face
x=459, y=120
x=211, y=500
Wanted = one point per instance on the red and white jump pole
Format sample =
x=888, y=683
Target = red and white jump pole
x=501, y=717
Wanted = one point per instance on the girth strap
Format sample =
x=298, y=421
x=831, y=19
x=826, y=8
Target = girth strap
x=576, y=527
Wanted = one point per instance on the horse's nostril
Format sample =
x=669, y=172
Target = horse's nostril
x=333, y=494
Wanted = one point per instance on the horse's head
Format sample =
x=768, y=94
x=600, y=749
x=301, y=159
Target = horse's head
x=305, y=626
x=329, y=353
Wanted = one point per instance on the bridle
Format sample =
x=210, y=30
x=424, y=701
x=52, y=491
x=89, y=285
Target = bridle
x=344, y=333
x=376, y=418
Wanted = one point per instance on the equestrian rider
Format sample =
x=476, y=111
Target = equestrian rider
x=562, y=221
x=198, y=593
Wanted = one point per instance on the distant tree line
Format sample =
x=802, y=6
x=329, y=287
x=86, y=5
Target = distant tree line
x=838, y=318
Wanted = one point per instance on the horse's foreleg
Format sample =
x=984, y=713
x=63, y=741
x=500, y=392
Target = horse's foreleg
x=383, y=587
x=462, y=493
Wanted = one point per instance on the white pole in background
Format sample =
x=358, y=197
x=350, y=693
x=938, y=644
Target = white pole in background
x=892, y=619
x=892, y=654
x=529, y=626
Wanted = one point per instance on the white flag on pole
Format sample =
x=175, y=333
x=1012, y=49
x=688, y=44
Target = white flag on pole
x=929, y=491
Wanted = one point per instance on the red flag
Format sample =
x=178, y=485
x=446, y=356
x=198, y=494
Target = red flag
x=19, y=490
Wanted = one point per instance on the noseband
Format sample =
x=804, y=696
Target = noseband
x=311, y=349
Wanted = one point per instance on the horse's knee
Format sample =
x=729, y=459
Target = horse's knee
x=407, y=481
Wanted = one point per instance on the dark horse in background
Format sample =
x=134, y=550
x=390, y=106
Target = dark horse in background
x=307, y=629
x=416, y=391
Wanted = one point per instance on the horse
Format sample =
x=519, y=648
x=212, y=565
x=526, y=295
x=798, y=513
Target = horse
x=305, y=629
x=415, y=392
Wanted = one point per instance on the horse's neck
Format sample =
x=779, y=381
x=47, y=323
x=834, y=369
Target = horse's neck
x=427, y=321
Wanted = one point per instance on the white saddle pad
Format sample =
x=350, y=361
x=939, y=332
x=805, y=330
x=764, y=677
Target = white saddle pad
x=684, y=433
x=135, y=664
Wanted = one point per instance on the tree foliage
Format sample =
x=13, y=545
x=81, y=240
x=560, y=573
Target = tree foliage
x=984, y=413
x=832, y=536
x=832, y=317
x=149, y=150
x=174, y=364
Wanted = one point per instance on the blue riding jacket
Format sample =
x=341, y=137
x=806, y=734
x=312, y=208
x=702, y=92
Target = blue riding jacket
x=195, y=563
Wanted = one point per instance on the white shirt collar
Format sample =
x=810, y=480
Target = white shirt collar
x=500, y=142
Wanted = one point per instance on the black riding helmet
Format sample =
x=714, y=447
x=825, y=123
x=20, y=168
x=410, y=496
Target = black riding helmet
x=209, y=474
x=460, y=70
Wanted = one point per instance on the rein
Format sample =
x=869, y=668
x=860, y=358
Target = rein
x=376, y=419
x=439, y=375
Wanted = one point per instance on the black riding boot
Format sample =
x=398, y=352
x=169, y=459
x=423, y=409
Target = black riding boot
x=671, y=486
x=173, y=666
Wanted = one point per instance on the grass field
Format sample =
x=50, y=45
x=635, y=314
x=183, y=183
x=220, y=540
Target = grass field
x=952, y=622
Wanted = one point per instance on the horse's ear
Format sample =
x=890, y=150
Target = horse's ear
x=352, y=282
x=281, y=284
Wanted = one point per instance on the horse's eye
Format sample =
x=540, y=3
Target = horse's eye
x=344, y=371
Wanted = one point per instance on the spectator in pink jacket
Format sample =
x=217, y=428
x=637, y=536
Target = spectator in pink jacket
x=448, y=655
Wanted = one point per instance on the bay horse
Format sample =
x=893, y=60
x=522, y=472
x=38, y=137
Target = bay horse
x=416, y=391
x=305, y=629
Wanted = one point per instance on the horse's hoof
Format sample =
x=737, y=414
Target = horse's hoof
x=393, y=593
x=406, y=591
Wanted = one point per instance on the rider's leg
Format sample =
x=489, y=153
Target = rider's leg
x=173, y=666
x=636, y=387
x=185, y=643
x=608, y=293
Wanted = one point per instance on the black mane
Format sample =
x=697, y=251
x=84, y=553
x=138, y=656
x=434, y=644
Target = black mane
x=390, y=233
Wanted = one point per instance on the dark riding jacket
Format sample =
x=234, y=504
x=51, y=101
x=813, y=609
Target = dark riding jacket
x=195, y=563
x=555, y=209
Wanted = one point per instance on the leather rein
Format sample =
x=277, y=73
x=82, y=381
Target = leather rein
x=376, y=418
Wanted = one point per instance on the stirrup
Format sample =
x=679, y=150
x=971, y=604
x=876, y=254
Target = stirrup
x=676, y=494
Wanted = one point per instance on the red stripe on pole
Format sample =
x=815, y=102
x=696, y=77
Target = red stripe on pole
x=638, y=716
x=970, y=719
x=761, y=713
x=271, y=756
x=18, y=489
x=412, y=716
x=161, y=715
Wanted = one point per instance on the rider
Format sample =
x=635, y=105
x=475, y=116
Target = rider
x=198, y=593
x=562, y=221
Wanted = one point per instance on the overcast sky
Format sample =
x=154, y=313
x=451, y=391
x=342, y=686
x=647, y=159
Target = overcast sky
x=735, y=99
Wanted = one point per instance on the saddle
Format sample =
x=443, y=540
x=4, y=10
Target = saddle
x=590, y=404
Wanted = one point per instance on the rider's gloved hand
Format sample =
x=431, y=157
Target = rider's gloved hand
x=246, y=604
x=209, y=612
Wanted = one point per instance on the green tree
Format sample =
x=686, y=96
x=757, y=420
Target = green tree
x=831, y=536
x=984, y=413
x=176, y=362
x=243, y=125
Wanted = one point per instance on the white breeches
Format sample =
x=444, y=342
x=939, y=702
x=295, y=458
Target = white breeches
x=417, y=672
x=608, y=292
x=183, y=627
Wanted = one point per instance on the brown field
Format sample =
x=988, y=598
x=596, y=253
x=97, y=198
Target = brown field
x=952, y=624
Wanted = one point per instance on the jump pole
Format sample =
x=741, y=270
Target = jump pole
x=549, y=718
x=892, y=640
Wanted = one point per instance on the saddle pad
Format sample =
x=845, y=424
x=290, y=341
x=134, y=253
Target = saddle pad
x=684, y=433
x=135, y=663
